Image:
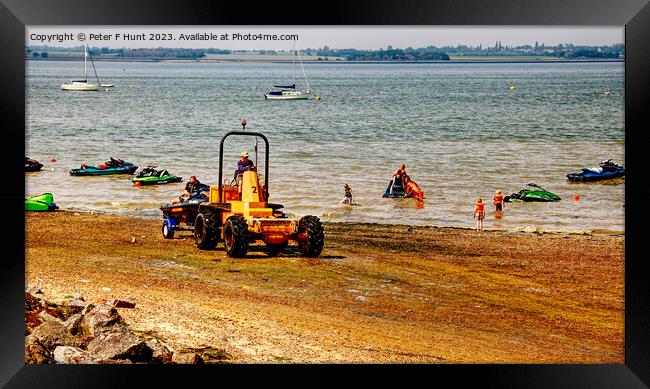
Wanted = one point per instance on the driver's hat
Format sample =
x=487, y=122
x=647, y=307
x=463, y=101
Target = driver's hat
x=243, y=154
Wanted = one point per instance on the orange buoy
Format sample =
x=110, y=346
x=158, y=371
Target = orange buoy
x=137, y=183
x=576, y=198
x=53, y=160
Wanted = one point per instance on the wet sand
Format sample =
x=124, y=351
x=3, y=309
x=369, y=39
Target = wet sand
x=377, y=294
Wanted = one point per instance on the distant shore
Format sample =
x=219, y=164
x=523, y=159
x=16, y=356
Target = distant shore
x=261, y=60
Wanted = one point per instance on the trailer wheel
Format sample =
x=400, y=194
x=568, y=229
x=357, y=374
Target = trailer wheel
x=273, y=249
x=168, y=233
x=235, y=236
x=313, y=237
x=204, y=232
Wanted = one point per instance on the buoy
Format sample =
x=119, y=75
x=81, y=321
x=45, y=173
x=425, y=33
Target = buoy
x=317, y=97
x=137, y=183
x=512, y=87
x=53, y=160
x=576, y=198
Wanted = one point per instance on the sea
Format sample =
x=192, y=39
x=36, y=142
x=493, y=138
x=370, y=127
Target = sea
x=463, y=130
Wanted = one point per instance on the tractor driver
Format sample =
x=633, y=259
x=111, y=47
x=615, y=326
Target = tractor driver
x=244, y=164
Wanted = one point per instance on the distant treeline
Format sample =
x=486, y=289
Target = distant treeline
x=430, y=53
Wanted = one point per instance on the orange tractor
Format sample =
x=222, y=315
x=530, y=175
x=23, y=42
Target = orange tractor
x=238, y=213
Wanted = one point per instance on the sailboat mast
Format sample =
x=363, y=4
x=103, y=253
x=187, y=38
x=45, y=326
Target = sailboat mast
x=86, y=61
x=293, y=61
x=303, y=72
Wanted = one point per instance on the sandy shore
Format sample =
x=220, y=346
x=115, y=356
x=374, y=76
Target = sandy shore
x=377, y=294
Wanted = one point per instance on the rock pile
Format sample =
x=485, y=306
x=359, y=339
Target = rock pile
x=70, y=330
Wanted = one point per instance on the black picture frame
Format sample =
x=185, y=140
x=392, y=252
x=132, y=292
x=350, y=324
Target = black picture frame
x=633, y=14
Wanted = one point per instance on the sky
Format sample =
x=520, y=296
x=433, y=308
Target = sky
x=336, y=37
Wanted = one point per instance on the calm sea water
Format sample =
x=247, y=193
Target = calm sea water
x=459, y=128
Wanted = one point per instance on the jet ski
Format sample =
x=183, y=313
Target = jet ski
x=113, y=166
x=398, y=190
x=180, y=216
x=150, y=176
x=42, y=202
x=32, y=165
x=538, y=194
x=606, y=170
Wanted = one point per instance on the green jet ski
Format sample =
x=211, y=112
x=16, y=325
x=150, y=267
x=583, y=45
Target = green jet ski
x=42, y=202
x=150, y=176
x=538, y=194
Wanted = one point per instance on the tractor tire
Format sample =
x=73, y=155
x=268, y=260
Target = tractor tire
x=167, y=232
x=273, y=249
x=312, y=245
x=235, y=236
x=205, y=231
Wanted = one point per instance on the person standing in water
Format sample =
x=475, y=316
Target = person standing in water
x=348, y=194
x=479, y=214
x=498, y=204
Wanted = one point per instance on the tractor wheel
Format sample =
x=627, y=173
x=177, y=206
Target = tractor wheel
x=312, y=245
x=167, y=232
x=205, y=233
x=235, y=236
x=273, y=249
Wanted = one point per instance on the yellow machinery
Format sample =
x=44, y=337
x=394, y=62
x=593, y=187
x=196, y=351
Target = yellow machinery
x=238, y=213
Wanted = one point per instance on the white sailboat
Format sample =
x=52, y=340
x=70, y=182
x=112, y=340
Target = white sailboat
x=84, y=85
x=289, y=92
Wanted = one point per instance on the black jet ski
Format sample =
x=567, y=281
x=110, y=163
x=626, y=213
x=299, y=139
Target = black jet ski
x=32, y=165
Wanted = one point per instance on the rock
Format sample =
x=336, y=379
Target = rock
x=68, y=354
x=73, y=323
x=32, y=303
x=120, y=344
x=99, y=318
x=187, y=358
x=161, y=353
x=123, y=304
x=31, y=321
x=46, y=317
x=53, y=333
x=36, y=353
x=31, y=289
x=115, y=362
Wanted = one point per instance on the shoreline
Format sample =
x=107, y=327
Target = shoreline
x=377, y=294
x=470, y=227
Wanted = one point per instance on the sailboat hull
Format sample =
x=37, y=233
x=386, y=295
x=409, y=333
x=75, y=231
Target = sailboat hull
x=80, y=86
x=287, y=96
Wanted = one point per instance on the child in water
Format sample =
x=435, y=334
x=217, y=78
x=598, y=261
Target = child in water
x=479, y=214
x=498, y=202
x=348, y=194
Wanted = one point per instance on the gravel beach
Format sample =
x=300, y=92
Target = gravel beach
x=377, y=294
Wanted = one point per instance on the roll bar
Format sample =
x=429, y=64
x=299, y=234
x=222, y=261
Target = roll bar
x=266, y=158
